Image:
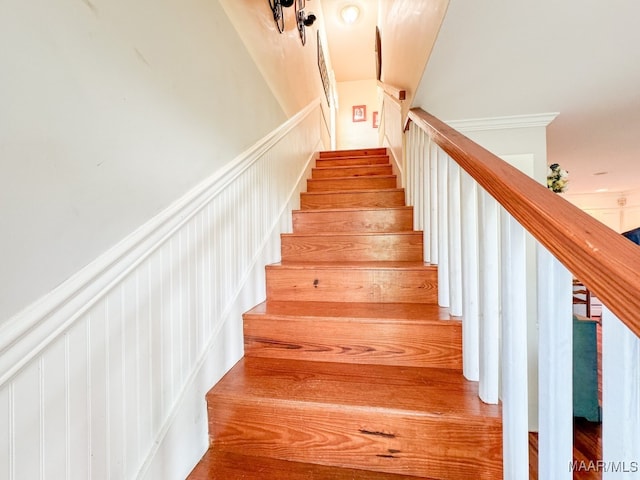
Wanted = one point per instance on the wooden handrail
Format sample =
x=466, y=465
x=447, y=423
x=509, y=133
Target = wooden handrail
x=606, y=262
x=394, y=92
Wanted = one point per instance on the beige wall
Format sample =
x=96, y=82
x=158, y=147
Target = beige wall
x=352, y=134
x=290, y=69
x=110, y=111
x=408, y=30
x=620, y=211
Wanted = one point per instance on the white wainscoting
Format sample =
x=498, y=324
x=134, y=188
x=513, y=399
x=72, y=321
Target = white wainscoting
x=105, y=377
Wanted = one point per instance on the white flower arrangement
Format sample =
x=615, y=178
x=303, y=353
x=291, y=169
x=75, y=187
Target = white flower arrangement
x=557, y=178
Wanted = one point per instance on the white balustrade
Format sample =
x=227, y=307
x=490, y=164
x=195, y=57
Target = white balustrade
x=469, y=236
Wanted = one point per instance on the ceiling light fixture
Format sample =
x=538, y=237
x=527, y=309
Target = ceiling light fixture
x=350, y=14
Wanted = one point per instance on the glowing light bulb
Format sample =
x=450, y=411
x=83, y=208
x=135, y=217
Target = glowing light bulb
x=350, y=14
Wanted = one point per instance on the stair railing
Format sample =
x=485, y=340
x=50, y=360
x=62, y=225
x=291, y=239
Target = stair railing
x=484, y=223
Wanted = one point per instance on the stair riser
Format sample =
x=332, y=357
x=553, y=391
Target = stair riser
x=366, y=220
x=351, y=183
x=353, y=248
x=360, y=171
x=416, y=344
x=352, y=285
x=429, y=446
x=352, y=161
x=384, y=199
x=354, y=153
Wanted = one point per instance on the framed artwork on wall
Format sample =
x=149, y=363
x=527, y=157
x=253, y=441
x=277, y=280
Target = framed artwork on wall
x=359, y=113
x=375, y=123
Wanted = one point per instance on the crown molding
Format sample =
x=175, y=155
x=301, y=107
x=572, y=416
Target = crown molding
x=501, y=123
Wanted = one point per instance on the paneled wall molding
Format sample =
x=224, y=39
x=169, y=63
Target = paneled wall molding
x=500, y=123
x=24, y=335
x=106, y=376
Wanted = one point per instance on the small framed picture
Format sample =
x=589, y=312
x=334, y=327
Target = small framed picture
x=359, y=113
x=375, y=120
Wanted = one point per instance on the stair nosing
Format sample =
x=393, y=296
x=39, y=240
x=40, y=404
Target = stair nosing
x=364, y=190
x=359, y=177
x=380, y=265
x=353, y=209
x=355, y=233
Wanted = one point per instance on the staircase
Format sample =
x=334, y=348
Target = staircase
x=351, y=370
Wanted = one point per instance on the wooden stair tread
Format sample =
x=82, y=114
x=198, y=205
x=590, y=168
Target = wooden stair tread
x=364, y=190
x=345, y=161
x=366, y=219
x=387, y=197
x=221, y=465
x=373, y=265
x=353, y=177
x=408, y=391
x=404, y=246
x=349, y=312
x=353, y=152
x=336, y=210
x=350, y=171
x=406, y=233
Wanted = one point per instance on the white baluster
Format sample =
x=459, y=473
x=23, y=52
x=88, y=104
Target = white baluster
x=489, y=299
x=423, y=151
x=555, y=339
x=408, y=168
x=455, y=244
x=433, y=203
x=470, y=267
x=426, y=209
x=515, y=398
x=443, y=230
x=620, y=399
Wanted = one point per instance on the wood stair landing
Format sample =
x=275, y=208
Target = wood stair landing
x=351, y=370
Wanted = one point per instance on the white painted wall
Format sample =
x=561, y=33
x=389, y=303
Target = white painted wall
x=109, y=111
x=350, y=134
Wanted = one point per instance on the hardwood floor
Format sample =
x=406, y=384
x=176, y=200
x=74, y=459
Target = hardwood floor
x=587, y=438
x=587, y=450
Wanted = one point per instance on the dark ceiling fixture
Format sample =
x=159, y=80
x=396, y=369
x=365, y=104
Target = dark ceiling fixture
x=303, y=20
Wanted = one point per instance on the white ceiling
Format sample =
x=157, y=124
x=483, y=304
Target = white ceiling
x=500, y=58
x=576, y=57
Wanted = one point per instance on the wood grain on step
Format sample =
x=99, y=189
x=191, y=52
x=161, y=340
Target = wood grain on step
x=354, y=199
x=351, y=171
x=393, y=419
x=220, y=465
x=417, y=343
x=344, y=247
x=357, y=152
x=351, y=183
x=393, y=219
x=352, y=161
x=390, y=282
x=432, y=392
